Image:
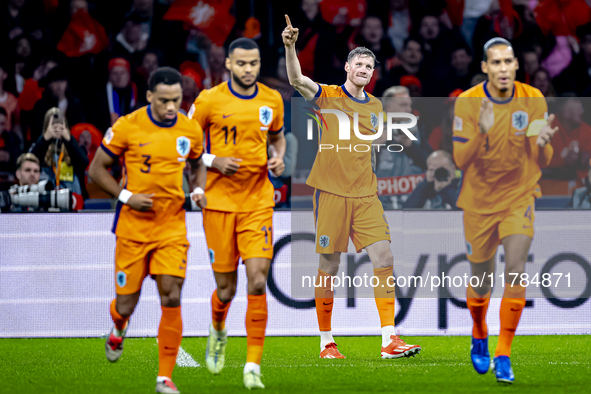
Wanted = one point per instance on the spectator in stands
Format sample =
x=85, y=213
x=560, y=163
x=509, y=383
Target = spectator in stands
x=190, y=80
x=372, y=36
x=441, y=137
x=460, y=74
x=441, y=187
x=410, y=60
x=473, y=10
x=582, y=196
x=117, y=98
x=438, y=44
x=27, y=169
x=399, y=23
x=151, y=59
x=572, y=142
x=152, y=15
x=60, y=154
x=343, y=13
x=22, y=60
x=413, y=158
x=541, y=79
x=576, y=77
x=316, y=44
x=58, y=95
x=413, y=84
x=477, y=79
x=531, y=63
x=10, y=145
x=216, y=60
x=19, y=17
x=8, y=101
x=132, y=39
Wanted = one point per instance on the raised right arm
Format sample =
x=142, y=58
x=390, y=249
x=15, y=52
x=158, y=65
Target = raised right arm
x=300, y=82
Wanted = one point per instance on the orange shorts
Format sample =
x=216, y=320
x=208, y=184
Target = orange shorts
x=231, y=235
x=484, y=233
x=135, y=260
x=339, y=218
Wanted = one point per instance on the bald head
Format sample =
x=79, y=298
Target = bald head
x=441, y=155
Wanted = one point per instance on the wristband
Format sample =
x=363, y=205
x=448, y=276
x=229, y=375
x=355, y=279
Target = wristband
x=198, y=190
x=125, y=195
x=208, y=159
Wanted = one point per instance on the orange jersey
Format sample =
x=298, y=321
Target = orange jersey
x=154, y=156
x=501, y=168
x=237, y=126
x=346, y=172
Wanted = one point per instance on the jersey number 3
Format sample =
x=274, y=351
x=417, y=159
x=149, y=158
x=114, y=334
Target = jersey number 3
x=147, y=165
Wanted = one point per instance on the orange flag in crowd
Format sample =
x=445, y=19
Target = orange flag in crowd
x=212, y=17
x=83, y=35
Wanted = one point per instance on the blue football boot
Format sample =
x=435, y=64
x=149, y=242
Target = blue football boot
x=480, y=355
x=503, y=370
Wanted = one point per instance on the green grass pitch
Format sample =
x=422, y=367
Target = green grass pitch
x=542, y=364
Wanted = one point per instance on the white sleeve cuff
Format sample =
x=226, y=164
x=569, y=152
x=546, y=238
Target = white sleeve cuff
x=125, y=195
x=208, y=159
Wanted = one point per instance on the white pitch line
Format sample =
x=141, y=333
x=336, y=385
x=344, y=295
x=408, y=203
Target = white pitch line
x=184, y=359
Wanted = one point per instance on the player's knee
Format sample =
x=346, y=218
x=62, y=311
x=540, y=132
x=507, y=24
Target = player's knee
x=125, y=309
x=514, y=265
x=257, y=285
x=171, y=300
x=226, y=293
x=384, y=259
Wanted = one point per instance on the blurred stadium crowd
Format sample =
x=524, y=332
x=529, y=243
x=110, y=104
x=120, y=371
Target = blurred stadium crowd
x=91, y=59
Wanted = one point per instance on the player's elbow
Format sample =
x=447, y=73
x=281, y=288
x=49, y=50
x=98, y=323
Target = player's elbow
x=94, y=170
x=296, y=81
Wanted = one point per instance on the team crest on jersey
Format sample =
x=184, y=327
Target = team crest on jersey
x=109, y=135
x=265, y=115
x=324, y=241
x=519, y=120
x=458, y=123
x=121, y=279
x=374, y=121
x=183, y=146
x=469, y=248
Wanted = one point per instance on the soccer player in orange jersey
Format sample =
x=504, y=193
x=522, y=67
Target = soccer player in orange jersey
x=156, y=141
x=239, y=118
x=346, y=204
x=501, y=139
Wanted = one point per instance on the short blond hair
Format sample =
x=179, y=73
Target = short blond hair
x=26, y=157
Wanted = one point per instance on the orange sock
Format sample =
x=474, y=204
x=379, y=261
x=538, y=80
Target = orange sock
x=511, y=308
x=219, y=311
x=384, y=296
x=120, y=321
x=478, y=306
x=324, y=300
x=170, y=334
x=256, y=323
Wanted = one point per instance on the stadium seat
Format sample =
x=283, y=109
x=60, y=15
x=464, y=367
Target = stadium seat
x=98, y=204
x=552, y=202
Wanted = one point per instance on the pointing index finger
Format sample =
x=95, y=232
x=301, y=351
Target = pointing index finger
x=287, y=20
